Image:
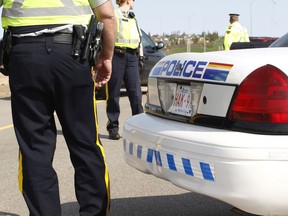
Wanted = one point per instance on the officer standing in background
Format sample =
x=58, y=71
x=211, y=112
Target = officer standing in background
x=127, y=52
x=44, y=77
x=235, y=32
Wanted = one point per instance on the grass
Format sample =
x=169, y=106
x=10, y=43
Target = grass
x=210, y=47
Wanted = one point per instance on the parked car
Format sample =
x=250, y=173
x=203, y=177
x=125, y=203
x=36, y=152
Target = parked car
x=152, y=54
x=255, y=42
x=216, y=123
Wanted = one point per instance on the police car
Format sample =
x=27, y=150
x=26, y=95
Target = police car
x=217, y=124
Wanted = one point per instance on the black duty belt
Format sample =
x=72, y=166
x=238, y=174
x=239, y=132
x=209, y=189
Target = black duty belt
x=123, y=50
x=61, y=38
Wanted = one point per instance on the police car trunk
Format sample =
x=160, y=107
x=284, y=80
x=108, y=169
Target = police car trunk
x=216, y=123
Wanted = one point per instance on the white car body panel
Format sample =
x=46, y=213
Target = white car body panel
x=246, y=170
x=212, y=107
x=236, y=163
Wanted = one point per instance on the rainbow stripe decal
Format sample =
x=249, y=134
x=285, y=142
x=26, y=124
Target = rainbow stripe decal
x=217, y=71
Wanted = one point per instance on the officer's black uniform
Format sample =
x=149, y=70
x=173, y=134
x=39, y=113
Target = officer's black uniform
x=44, y=78
x=125, y=69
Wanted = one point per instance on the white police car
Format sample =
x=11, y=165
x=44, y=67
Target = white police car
x=217, y=124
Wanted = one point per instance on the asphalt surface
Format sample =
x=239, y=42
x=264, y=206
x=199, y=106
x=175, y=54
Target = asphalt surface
x=4, y=87
x=133, y=193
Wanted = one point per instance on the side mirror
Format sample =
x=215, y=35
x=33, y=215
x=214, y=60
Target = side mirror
x=159, y=45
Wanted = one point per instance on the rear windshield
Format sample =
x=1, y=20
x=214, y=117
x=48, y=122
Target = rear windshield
x=281, y=42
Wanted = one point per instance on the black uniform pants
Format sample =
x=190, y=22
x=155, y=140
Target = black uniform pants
x=125, y=68
x=45, y=78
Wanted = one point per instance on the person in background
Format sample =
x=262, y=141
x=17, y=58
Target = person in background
x=127, y=53
x=235, y=32
x=45, y=77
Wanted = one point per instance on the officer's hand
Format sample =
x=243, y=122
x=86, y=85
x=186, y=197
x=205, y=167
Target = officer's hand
x=102, y=71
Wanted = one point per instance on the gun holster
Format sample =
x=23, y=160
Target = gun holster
x=87, y=43
x=5, y=49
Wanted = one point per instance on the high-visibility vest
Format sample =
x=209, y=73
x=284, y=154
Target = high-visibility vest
x=128, y=33
x=45, y=12
x=235, y=33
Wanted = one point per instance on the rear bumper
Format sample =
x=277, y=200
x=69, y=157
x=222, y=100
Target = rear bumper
x=248, y=171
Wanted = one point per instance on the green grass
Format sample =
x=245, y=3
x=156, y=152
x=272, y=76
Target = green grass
x=213, y=46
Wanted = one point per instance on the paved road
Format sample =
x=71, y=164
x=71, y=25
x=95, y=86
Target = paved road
x=133, y=193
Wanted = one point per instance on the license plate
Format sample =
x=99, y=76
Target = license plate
x=182, y=102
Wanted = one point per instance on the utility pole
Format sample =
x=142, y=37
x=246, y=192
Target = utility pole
x=251, y=20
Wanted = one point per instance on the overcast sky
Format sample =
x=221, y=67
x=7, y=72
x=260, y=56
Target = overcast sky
x=260, y=17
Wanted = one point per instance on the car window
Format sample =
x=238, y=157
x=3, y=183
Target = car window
x=281, y=42
x=147, y=42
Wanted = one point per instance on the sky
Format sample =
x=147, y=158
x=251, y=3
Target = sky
x=260, y=17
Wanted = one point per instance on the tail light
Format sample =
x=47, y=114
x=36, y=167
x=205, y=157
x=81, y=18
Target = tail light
x=262, y=97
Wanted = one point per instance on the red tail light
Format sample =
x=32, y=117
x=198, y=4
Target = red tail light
x=262, y=97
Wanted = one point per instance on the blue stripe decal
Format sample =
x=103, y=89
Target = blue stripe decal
x=139, y=152
x=150, y=155
x=131, y=148
x=171, y=162
x=156, y=71
x=124, y=144
x=206, y=171
x=158, y=158
x=187, y=166
x=219, y=75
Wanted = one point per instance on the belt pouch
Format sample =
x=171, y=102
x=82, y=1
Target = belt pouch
x=5, y=46
x=78, y=39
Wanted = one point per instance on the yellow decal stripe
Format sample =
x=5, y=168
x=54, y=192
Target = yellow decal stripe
x=6, y=127
x=218, y=65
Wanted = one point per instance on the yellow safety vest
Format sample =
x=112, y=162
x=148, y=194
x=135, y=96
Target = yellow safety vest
x=45, y=12
x=127, y=32
x=235, y=33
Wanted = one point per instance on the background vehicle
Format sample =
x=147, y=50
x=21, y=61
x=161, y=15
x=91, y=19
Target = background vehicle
x=216, y=123
x=255, y=42
x=152, y=54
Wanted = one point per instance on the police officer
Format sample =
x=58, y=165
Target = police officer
x=44, y=77
x=124, y=66
x=235, y=32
